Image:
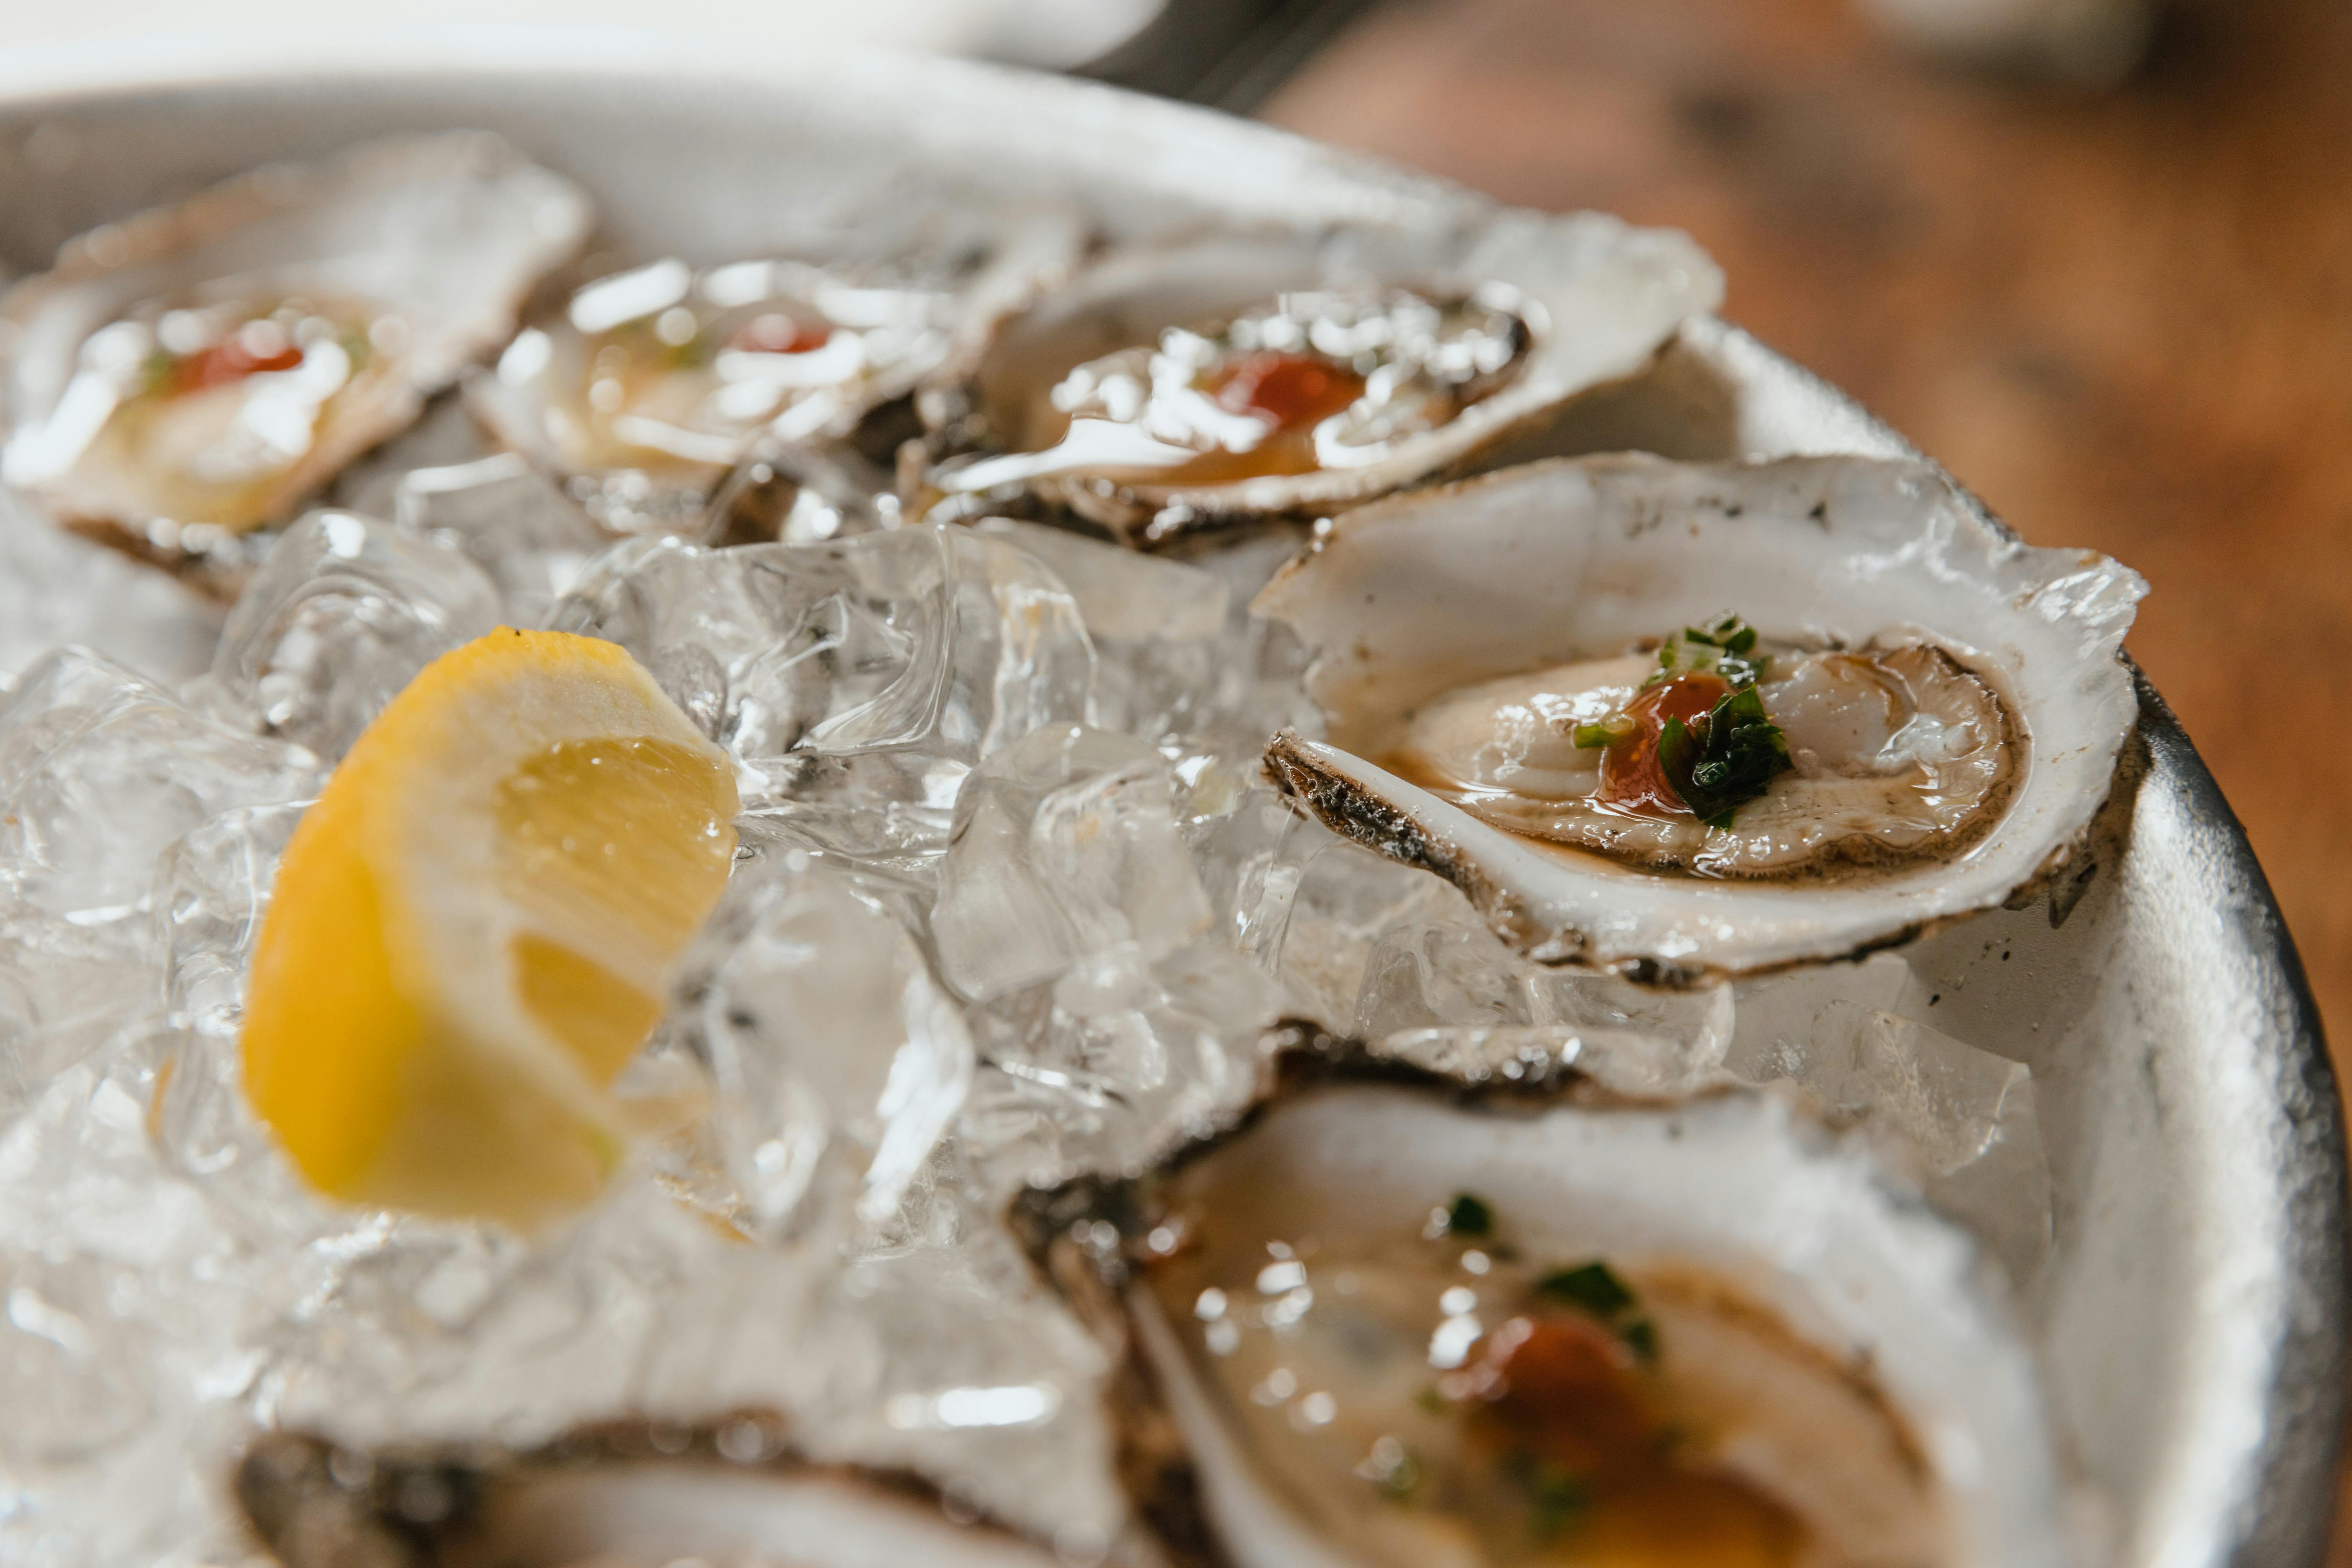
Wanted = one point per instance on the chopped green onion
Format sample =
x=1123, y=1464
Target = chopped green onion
x=1725, y=647
x=1604, y=732
x=1556, y=1498
x=1724, y=763
x=1469, y=1215
x=1592, y=1287
x=1595, y=1288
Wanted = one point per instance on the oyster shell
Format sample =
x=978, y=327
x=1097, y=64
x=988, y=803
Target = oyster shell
x=649, y=384
x=1394, y=1327
x=194, y=372
x=620, y=1497
x=1198, y=383
x=1949, y=703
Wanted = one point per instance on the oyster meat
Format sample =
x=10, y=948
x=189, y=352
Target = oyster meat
x=1198, y=384
x=1887, y=751
x=1395, y=1329
x=194, y=372
x=1532, y=690
x=651, y=384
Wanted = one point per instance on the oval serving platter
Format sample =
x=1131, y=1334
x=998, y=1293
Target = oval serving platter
x=2192, y=1313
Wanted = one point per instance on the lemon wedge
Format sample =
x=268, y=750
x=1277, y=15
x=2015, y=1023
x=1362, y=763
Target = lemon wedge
x=472, y=930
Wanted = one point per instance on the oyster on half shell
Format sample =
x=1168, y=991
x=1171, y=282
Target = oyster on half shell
x=1197, y=384
x=649, y=384
x=1922, y=718
x=192, y=373
x=617, y=1497
x=1395, y=1327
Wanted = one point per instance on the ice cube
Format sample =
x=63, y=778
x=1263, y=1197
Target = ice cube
x=56, y=1008
x=1157, y=626
x=1959, y=1120
x=531, y=539
x=1117, y=1016
x=100, y=772
x=408, y=1330
x=75, y=1375
x=959, y=1363
x=57, y=589
x=946, y=1355
x=108, y=1459
x=1442, y=991
x=212, y=888
x=829, y=1045
x=805, y=659
x=1784, y=1007
x=446, y=435
x=121, y=1348
x=1123, y=597
x=1249, y=847
x=1110, y=1068
x=1633, y=1038
x=1064, y=846
x=799, y=493
x=1262, y=664
x=343, y=613
x=1435, y=975
x=1341, y=899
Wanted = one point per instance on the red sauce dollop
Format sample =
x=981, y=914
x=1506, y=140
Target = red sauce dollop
x=1564, y=1388
x=777, y=334
x=230, y=359
x=1630, y=778
x=1287, y=391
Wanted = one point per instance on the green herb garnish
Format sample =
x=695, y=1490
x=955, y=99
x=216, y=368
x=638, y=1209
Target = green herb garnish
x=1721, y=647
x=1616, y=727
x=1595, y=1288
x=1592, y=1287
x=157, y=372
x=1469, y=1215
x=1728, y=761
x=1555, y=1495
x=1725, y=647
x=1398, y=1480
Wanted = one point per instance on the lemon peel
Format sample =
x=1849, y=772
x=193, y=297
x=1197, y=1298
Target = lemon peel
x=471, y=931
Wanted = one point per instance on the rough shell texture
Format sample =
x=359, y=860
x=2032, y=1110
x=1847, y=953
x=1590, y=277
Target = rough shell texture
x=621, y=1497
x=1735, y=1185
x=980, y=265
x=1425, y=593
x=1601, y=299
x=448, y=232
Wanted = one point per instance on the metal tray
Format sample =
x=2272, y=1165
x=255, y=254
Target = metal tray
x=2193, y=1310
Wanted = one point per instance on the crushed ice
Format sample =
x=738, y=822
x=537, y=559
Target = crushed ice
x=1013, y=903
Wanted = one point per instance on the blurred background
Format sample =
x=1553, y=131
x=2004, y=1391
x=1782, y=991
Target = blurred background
x=2094, y=254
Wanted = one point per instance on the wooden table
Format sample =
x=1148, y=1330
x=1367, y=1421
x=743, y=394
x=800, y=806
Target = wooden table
x=2125, y=318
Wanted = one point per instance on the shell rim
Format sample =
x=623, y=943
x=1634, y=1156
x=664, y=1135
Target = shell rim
x=1399, y=820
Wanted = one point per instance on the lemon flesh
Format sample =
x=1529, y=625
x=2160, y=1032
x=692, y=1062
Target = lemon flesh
x=471, y=931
